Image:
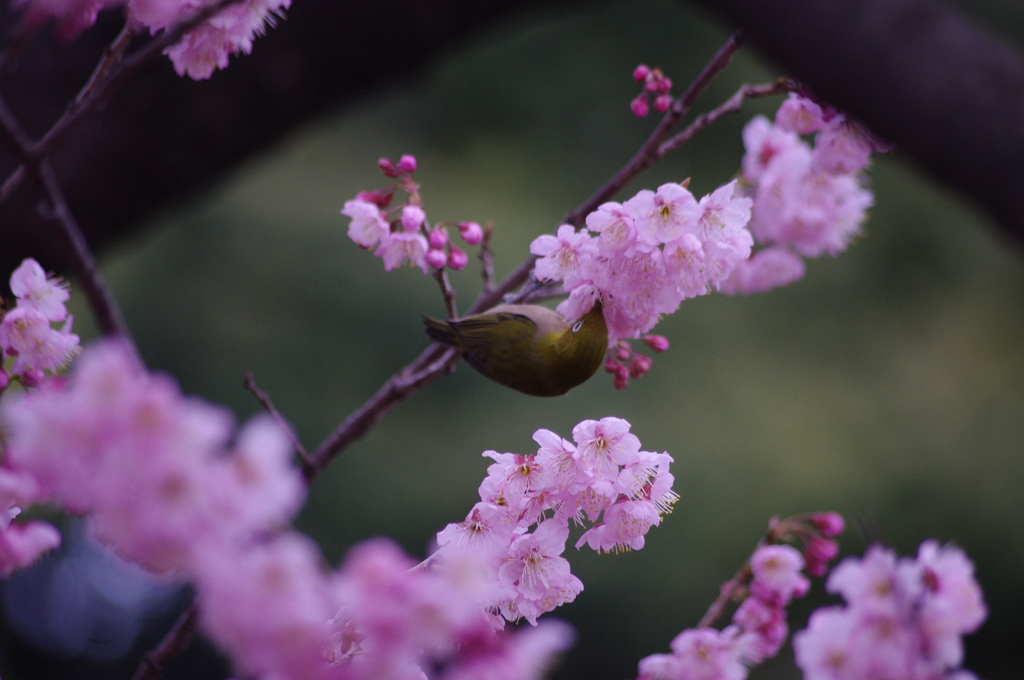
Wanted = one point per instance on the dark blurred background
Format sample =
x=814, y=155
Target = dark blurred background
x=887, y=385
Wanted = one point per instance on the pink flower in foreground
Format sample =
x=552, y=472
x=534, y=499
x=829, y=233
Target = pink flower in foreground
x=708, y=654
x=23, y=544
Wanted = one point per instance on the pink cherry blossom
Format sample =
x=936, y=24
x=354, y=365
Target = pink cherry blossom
x=663, y=215
x=539, y=574
x=800, y=115
x=561, y=256
x=368, y=227
x=708, y=654
x=777, y=576
x=35, y=290
x=23, y=544
x=769, y=268
x=25, y=334
x=402, y=248
x=604, y=445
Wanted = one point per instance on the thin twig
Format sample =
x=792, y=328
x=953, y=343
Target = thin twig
x=77, y=254
x=441, y=276
x=778, y=530
x=80, y=259
x=487, y=257
x=433, y=362
x=731, y=105
x=96, y=89
x=112, y=55
x=264, y=399
x=176, y=641
x=647, y=155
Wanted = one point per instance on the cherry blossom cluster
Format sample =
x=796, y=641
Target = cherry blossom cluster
x=758, y=629
x=604, y=479
x=808, y=201
x=903, y=618
x=167, y=485
x=203, y=49
x=655, y=83
x=401, y=235
x=29, y=344
x=642, y=258
x=281, y=616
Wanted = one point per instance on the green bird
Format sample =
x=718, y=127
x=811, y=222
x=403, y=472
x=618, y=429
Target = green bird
x=529, y=348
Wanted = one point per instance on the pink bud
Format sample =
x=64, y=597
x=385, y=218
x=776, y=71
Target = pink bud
x=623, y=353
x=659, y=343
x=407, y=164
x=662, y=103
x=32, y=377
x=471, y=233
x=387, y=167
x=641, y=72
x=664, y=84
x=436, y=258
x=610, y=365
x=5, y=379
x=640, y=366
x=829, y=523
x=639, y=106
x=821, y=550
x=381, y=199
x=412, y=217
x=457, y=259
x=438, y=238
x=621, y=377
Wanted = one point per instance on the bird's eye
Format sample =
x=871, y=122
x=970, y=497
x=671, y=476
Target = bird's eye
x=578, y=325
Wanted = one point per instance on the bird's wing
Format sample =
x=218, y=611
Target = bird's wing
x=481, y=330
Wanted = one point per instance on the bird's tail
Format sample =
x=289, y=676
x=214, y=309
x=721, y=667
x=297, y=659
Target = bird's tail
x=440, y=331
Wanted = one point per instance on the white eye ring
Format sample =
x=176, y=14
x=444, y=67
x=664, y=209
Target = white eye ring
x=578, y=325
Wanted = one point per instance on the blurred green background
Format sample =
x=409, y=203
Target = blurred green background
x=887, y=385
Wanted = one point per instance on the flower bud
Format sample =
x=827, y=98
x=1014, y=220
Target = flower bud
x=639, y=106
x=32, y=377
x=387, y=167
x=621, y=377
x=641, y=364
x=5, y=379
x=436, y=258
x=641, y=72
x=659, y=343
x=381, y=199
x=662, y=103
x=407, y=164
x=471, y=233
x=438, y=238
x=828, y=523
x=412, y=217
x=457, y=259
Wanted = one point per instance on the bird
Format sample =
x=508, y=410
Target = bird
x=529, y=348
